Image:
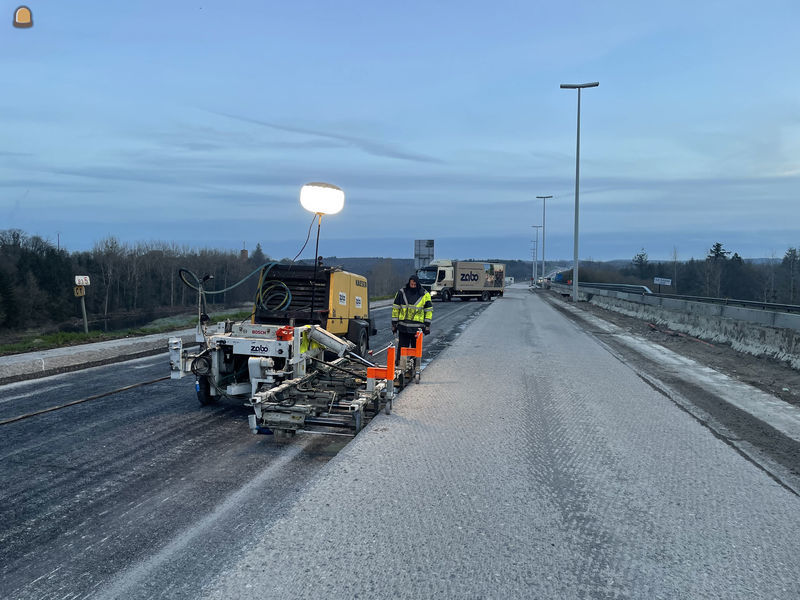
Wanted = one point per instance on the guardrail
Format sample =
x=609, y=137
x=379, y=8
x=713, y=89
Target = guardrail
x=643, y=289
x=790, y=308
x=758, y=328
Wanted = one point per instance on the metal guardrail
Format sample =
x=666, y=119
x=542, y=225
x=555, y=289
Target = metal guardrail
x=619, y=287
x=789, y=308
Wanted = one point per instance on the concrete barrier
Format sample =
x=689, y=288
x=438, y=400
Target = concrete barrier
x=754, y=331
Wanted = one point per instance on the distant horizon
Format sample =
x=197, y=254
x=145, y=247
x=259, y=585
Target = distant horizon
x=439, y=122
x=508, y=247
x=346, y=250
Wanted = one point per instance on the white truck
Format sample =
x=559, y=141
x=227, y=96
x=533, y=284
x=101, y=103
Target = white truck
x=448, y=279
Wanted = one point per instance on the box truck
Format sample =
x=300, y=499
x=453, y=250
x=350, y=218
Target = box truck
x=448, y=279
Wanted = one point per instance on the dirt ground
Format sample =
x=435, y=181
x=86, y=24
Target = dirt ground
x=774, y=377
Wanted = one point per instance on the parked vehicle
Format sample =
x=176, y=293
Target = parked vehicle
x=448, y=279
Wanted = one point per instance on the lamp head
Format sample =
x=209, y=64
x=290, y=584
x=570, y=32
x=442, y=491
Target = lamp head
x=322, y=198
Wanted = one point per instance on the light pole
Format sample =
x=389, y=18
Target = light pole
x=535, y=253
x=544, y=199
x=320, y=199
x=579, y=87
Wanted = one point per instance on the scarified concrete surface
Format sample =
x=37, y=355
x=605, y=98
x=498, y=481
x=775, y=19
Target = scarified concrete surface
x=531, y=462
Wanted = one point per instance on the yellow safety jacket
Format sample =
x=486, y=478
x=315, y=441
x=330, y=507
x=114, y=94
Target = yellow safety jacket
x=420, y=312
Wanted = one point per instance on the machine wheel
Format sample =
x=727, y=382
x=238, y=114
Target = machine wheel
x=446, y=296
x=485, y=297
x=203, y=387
x=387, y=408
x=362, y=346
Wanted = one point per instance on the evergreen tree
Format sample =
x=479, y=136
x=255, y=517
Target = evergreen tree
x=640, y=265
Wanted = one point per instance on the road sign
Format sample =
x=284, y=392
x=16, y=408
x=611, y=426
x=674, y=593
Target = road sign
x=81, y=280
x=80, y=291
x=423, y=253
x=662, y=281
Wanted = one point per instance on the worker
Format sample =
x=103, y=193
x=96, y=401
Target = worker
x=412, y=310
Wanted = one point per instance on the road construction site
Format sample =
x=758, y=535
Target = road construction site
x=546, y=452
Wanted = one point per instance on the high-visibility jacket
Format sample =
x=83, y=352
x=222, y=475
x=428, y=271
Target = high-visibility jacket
x=420, y=312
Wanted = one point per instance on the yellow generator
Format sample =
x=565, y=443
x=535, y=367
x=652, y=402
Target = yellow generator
x=298, y=295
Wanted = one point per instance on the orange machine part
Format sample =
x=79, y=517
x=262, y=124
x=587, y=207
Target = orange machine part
x=416, y=350
x=285, y=334
x=386, y=372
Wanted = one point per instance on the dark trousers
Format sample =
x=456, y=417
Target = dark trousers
x=406, y=339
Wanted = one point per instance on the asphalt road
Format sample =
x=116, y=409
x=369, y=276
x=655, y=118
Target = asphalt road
x=143, y=493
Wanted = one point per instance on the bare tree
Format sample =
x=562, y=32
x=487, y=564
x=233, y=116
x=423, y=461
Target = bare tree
x=108, y=253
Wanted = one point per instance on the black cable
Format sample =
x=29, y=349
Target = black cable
x=308, y=237
x=360, y=376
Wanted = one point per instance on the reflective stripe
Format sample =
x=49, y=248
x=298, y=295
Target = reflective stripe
x=421, y=311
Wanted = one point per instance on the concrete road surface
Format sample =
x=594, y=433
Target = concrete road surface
x=530, y=463
x=143, y=493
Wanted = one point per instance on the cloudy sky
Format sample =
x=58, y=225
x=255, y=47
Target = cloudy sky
x=198, y=122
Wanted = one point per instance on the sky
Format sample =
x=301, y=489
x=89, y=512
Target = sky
x=198, y=123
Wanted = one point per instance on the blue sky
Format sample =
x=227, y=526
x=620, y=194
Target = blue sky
x=197, y=123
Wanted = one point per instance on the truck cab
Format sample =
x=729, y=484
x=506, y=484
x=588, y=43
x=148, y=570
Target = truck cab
x=436, y=277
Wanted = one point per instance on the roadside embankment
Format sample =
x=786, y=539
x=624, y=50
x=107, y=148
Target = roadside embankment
x=32, y=365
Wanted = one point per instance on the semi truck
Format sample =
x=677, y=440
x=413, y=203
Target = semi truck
x=448, y=279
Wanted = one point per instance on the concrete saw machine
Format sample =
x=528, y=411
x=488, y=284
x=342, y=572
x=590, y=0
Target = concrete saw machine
x=300, y=361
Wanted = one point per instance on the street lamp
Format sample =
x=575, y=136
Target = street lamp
x=544, y=199
x=535, y=254
x=579, y=87
x=320, y=199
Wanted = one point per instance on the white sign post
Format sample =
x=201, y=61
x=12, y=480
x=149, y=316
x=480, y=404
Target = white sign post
x=80, y=282
x=659, y=281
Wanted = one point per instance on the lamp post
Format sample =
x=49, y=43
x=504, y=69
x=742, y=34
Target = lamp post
x=579, y=87
x=535, y=253
x=320, y=199
x=544, y=199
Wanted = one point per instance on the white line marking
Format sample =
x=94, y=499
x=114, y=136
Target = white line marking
x=33, y=393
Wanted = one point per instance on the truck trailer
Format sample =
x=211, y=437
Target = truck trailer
x=448, y=279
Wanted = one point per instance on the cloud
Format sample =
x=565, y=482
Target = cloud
x=368, y=146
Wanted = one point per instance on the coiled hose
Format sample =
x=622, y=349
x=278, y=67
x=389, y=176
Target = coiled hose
x=270, y=295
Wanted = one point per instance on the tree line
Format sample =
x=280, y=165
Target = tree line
x=141, y=281
x=131, y=283
x=720, y=274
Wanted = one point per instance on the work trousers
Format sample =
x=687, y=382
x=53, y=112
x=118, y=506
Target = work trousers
x=406, y=338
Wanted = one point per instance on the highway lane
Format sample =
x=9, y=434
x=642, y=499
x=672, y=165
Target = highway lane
x=144, y=493
x=531, y=463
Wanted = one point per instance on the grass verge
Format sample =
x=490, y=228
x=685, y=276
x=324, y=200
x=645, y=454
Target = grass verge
x=34, y=342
